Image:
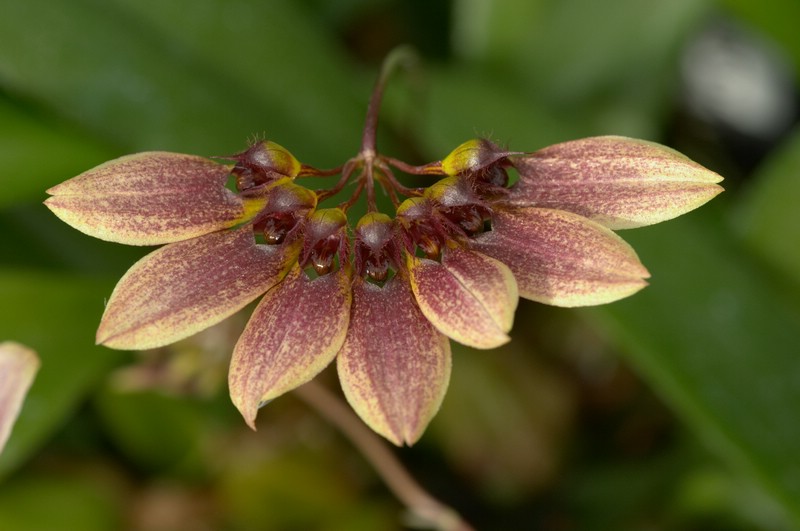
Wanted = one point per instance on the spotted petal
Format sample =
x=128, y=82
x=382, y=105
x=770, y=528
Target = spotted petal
x=561, y=258
x=294, y=333
x=188, y=286
x=468, y=296
x=18, y=366
x=150, y=198
x=619, y=182
x=394, y=365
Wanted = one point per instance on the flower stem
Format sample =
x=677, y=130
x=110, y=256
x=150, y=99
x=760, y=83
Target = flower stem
x=400, y=56
x=423, y=507
x=347, y=171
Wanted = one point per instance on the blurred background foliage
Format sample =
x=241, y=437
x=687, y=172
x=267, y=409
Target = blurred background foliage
x=674, y=409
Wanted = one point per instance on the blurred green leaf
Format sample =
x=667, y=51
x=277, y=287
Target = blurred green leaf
x=38, y=153
x=33, y=237
x=463, y=104
x=560, y=48
x=156, y=431
x=467, y=103
x=123, y=79
x=56, y=315
x=510, y=400
x=282, y=56
x=711, y=494
x=296, y=489
x=611, y=495
x=64, y=501
x=600, y=67
x=769, y=218
x=718, y=338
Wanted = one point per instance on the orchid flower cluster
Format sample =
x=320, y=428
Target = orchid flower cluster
x=382, y=296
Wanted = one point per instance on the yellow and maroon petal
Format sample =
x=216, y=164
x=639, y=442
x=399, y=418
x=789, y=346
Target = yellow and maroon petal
x=18, y=366
x=188, y=286
x=561, y=258
x=619, y=182
x=294, y=333
x=469, y=297
x=151, y=198
x=394, y=366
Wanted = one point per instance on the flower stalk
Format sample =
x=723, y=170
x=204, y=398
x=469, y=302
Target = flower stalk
x=425, y=510
x=404, y=57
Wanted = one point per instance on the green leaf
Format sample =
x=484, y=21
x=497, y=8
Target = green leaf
x=162, y=78
x=768, y=218
x=560, y=48
x=510, y=399
x=607, y=67
x=39, y=152
x=63, y=500
x=35, y=238
x=156, y=431
x=298, y=488
x=56, y=316
x=281, y=54
x=719, y=340
x=463, y=104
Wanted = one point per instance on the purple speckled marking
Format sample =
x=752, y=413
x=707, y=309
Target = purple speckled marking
x=468, y=296
x=185, y=287
x=294, y=333
x=394, y=365
x=148, y=199
x=18, y=366
x=561, y=258
x=616, y=181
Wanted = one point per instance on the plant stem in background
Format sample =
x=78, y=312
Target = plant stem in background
x=424, y=508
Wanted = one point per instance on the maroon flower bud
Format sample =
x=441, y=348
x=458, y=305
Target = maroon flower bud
x=421, y=226
x=484, y=163
x=325, y=235
x=460, y=205
x=472, y=156
x=376, y=246
x=287, y=204
x=263, y=162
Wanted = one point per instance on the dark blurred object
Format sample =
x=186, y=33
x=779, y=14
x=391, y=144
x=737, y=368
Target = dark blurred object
x=737, y=93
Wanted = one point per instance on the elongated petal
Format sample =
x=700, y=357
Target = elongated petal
x=18, y=366
x=468, y=296
x=294, y=333
x=150, y=198
x=394, y=365
x=619, y=182
x=561, y=258
x=187, y=286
